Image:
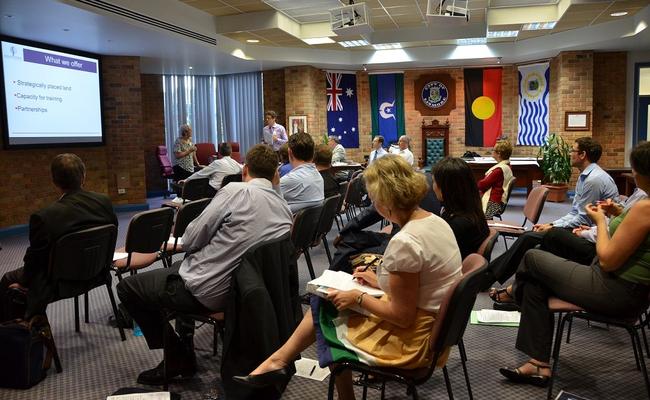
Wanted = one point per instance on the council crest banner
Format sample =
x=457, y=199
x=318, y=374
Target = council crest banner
x=533, y=123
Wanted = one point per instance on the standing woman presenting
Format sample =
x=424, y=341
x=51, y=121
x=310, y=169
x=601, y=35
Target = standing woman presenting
x=185, y=154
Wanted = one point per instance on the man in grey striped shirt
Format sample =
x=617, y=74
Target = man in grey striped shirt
x=241, y=215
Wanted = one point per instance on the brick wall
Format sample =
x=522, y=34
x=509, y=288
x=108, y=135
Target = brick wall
x=28, y=186
x=274, y=93
x=153, y=129
x=609, y=106
x=305, y=95
x=123, y=124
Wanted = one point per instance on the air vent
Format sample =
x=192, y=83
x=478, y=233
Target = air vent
x=112, y=8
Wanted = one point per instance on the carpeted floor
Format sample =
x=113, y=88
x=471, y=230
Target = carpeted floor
x=597, y=364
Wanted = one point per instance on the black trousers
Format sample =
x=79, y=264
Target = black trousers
x=10, y=309
x=559, y=241
x=357, y=242
x=148, y=295
x=542, y=274
x=180, y=173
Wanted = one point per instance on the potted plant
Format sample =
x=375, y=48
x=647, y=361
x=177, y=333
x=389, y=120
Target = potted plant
x=555, y=161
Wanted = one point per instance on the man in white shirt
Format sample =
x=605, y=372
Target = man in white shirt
x=377, y=149
x=338, y=151
x=240, y=216
x=404, y=143
x=218, y=169
x=303, y=186
x=273, y=133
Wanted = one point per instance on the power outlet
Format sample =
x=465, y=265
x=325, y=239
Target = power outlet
x=121, y=191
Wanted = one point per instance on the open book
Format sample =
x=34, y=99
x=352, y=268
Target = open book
x=340, y=280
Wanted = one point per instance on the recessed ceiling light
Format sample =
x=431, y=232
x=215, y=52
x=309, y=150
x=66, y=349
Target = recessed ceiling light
x=8, y=16
x=66, y=29
x=619, y=14
x=190, y=67
x=471, y=41
x=502, y=34
x=538, y=26
x=354, y=43
x=387, y=46
x=252, y=40
x=318, y=40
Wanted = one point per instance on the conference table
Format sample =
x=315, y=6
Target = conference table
x=525, y=169
x=345, y=166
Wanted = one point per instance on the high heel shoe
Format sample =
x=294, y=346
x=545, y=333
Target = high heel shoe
x=278, y=378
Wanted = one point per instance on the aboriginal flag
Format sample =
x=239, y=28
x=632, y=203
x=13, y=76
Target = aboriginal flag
x=482, y=106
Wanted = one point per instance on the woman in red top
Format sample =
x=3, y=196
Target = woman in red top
x=494, y=187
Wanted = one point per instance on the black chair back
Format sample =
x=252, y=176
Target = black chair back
x=81, y=256
x=195, y=189
x=327, y=217
x=149, y=230
x=457, y=311
x=188, y=213
x=231, y=178
x=355, y=195
x=305, y=225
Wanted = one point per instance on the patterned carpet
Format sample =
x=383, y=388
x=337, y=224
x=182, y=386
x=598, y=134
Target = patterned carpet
x=597, y=364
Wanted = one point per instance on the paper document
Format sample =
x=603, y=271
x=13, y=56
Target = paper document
x=141, y=396
x=178, y=200
x=308, y=368
x=496, y=316
x=118, y=256
x=499, y=225
x=339, y=280
x=178, y=242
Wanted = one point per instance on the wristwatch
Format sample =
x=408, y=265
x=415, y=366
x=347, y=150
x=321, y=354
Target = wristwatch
x=360, y=298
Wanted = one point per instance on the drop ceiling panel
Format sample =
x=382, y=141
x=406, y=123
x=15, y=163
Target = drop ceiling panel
x=515, y=3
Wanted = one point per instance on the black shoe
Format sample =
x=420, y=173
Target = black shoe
x=278, y=378
x=506, y=306
x=514, y=375
x=156, y=376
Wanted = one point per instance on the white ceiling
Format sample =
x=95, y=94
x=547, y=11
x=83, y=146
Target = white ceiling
x=97, y=31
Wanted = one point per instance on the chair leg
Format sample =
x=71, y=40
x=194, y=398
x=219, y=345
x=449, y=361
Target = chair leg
x=330, y=387
x=76, y=314
x=414, y=392
x=86, y=307
x=556, y=355
x=644, y=370
x=461, y=350
x=215, y=340
x=165, y=355
x=309, y=264
x=463, y=359
x=327, y=249
x=445, y=373
x=568, y=334
x=118, y=316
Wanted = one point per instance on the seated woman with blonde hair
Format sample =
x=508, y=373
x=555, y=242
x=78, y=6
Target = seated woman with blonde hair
x=494, y=186
x=420, y=263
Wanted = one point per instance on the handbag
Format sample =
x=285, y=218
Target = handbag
x=23, y=345
x=366, y=260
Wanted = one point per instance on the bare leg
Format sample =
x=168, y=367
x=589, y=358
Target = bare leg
x=344, y=385
x=301, y=338
x=535, y=367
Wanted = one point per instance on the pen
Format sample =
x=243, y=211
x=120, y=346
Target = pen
x=312, y=370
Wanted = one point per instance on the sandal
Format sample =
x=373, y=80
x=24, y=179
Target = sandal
x=514, y=375
x=496, y=295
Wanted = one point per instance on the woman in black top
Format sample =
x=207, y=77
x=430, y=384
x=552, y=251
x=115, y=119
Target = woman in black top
x=455, y=187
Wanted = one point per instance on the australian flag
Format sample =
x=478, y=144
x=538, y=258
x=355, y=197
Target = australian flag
x=342, y=110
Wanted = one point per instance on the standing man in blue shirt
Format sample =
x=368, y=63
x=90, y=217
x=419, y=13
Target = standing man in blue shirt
x=594, y=184
x=273, y=133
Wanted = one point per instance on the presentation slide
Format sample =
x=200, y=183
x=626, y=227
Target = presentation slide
x=51, y=97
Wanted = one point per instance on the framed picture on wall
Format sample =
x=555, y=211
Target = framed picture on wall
x=577, y=120
x=297, y=123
